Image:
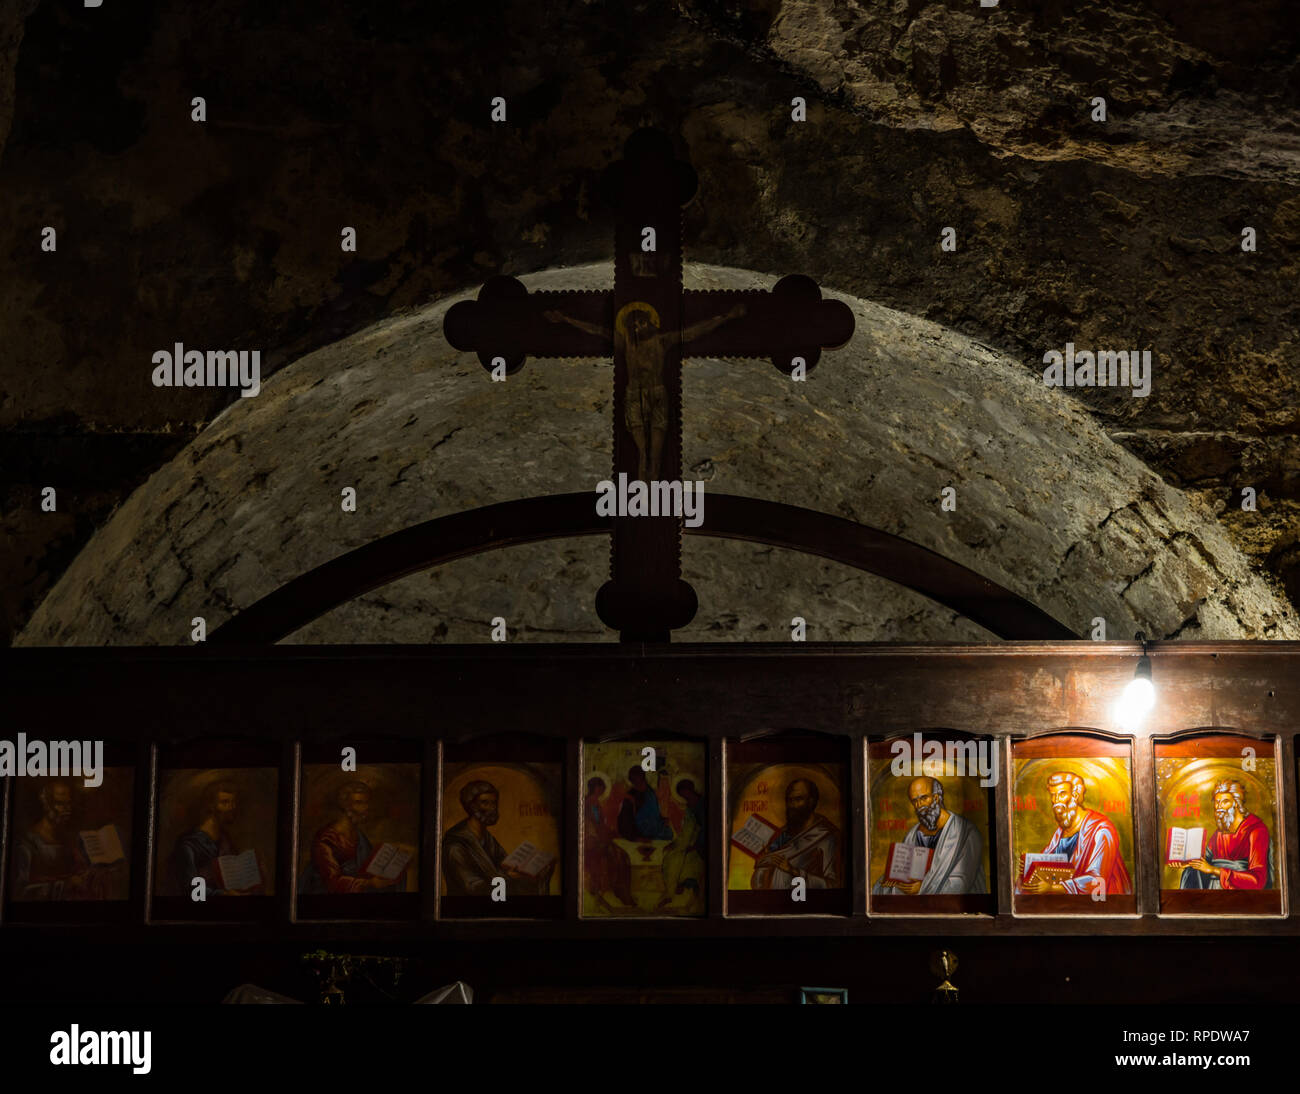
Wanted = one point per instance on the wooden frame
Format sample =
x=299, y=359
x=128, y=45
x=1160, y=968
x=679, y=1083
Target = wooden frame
x=1270, y=902
x=835, y=995
x=1046, y=746
x=296, y=696
x=380, y=906
x=798, y=748
x=528, y=748
x=932, y=906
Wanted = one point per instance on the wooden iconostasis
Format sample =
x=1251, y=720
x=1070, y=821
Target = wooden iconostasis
x=955, y=830
x=690, y=791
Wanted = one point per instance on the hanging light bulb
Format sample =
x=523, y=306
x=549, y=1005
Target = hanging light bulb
x=1139, y=695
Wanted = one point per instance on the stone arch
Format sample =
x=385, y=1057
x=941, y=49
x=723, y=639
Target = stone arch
x=1047, y=504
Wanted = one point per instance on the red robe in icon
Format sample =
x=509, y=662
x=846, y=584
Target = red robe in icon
x=1248, y=844
x=1095, y=857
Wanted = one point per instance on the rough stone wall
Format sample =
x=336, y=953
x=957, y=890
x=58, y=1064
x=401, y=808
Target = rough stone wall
x=374, y=115
x=1047, y=505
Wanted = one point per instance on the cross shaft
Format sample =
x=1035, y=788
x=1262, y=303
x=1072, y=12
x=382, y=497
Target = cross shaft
x=648, y=324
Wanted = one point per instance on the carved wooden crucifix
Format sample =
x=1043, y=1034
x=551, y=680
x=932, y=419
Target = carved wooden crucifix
x=648, y=324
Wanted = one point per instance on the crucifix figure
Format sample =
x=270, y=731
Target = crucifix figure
x=643, y=344
x=648, y=324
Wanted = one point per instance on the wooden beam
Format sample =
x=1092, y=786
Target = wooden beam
x=560, y=516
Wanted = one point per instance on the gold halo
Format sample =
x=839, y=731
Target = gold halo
x=678, y=777
x=620, y=320
x=609, y=784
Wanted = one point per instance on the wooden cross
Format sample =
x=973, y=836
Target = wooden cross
x=648, y=324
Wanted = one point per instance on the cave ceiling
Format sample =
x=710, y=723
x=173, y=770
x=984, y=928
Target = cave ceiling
x=225, y=233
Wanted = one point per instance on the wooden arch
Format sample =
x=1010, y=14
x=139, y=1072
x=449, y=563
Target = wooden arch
x=559, y=516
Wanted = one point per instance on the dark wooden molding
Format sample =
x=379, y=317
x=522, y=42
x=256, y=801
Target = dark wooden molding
x=602, y=690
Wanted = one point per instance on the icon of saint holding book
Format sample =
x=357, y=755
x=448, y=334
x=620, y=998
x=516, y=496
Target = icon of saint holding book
x=53, y=861
x=1236, y=855
x=1083, y=856
x=808, y=847
x=345, y=860
x=941, y=852
x=472, y=857
x=209, y=850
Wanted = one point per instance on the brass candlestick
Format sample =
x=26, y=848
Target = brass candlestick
x=943, y=963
